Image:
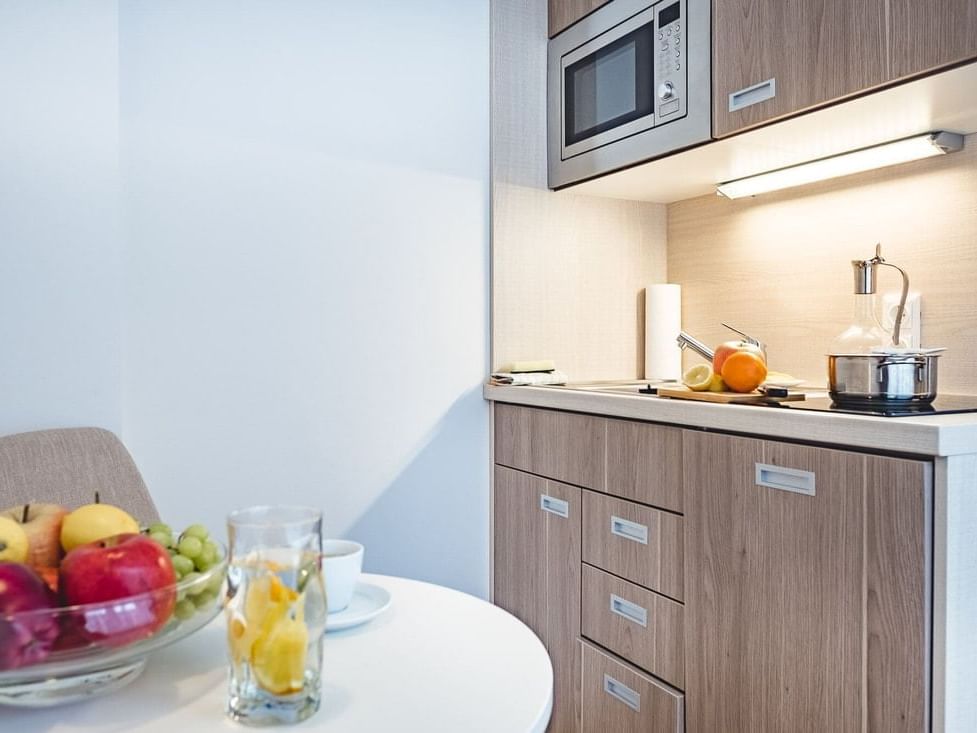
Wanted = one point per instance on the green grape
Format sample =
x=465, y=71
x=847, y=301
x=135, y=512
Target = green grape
x=201, y=563
x=160, y=527
x=185, y=609
x=191, y=583
x=216, y=548
x=190, y=547
x=216, y=582
x=183, y=565
x=163, y=538
x=196, y=530
x=207, y=598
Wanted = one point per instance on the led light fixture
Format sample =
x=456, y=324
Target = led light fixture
x=843, y=164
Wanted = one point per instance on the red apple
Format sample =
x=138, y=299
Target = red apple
x=131, y=579
x=42, y=525
x=27, y=631
x=724, y=350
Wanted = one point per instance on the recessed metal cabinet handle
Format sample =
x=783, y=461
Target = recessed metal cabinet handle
x=622, y=693
x=554, y=506
x=753, y=95
x=629, y=530
x=785, y=479
x=631, y=611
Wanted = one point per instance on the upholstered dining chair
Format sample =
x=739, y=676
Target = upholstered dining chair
x=67, y=466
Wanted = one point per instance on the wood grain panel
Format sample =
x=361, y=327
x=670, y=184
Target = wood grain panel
x=562, y=606
x=644, y=463
x=660, y=707
x=728, y=256
x=537, y=577
x=658, y=647
x=519, y=546
x=781, y=633
x=657, y=565
x=818, y=52
x=564, y=13
x=925, y=35
x=560, y=445
x=898, y=511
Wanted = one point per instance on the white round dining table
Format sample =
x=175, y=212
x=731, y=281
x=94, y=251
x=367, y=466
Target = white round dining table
x=436, y=660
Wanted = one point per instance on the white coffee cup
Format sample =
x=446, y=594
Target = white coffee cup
x=342, y=562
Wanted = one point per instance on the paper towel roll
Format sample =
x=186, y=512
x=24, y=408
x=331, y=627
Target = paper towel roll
x=663, y=321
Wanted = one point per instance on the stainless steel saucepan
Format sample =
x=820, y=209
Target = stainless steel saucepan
x=906, y=377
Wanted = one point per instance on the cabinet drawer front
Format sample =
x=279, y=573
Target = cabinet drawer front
x=644, y=463
x=616, y=697
x=641, y=626
x=560, y=445
x=635, y=542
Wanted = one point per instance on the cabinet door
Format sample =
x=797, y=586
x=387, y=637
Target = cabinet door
x=816, y=51
x=927, y=34
x=537, y=575
x=806, y=588
x=564, y=13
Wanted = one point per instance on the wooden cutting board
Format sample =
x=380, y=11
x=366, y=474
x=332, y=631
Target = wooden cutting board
x=683, y=393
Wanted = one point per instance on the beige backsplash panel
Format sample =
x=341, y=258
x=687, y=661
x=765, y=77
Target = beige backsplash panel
x=568, y=270
x=778, y=265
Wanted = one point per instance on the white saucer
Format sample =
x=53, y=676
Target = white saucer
x=368, y=602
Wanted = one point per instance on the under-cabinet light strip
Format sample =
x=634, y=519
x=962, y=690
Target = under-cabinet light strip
x=843, y=164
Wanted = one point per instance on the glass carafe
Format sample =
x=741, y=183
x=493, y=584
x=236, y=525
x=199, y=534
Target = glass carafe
x=865, y=335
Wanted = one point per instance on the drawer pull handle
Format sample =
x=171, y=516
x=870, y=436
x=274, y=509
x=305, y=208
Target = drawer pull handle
x=623, y=693
x=753, y=95
x=629, y=530
x=785, y=479
x=554, y=506
x=631, y=611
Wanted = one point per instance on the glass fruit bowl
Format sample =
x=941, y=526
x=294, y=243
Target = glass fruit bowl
x=75, y=652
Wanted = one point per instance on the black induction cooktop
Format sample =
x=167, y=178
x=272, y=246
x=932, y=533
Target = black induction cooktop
x=942, y=405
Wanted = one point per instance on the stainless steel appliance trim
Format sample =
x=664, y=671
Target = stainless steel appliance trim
x=672, y=135
x=629, y=128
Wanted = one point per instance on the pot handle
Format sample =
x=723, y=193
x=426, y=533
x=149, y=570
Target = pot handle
x=917, y=360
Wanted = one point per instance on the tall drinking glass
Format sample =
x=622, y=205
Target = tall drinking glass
x=276, y=614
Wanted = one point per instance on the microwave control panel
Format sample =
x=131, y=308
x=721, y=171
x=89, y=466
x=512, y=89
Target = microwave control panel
x=670, y=61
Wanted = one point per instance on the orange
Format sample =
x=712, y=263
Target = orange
x=744, y=371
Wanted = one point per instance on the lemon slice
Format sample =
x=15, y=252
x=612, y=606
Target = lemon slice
x=717, y=384
x=698, y=378
x=278, y=656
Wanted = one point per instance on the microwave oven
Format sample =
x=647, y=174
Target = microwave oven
x=628, y=83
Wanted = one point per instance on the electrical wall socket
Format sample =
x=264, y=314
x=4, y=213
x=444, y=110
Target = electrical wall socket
x=910, y=319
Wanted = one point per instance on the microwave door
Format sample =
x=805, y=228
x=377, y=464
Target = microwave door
x=608, y=87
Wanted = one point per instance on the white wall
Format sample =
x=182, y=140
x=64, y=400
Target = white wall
x=60, y=258
x=304, y=216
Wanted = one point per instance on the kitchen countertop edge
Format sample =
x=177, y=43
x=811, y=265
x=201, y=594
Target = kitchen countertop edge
x=929, y=435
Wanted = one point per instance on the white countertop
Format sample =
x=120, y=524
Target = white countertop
x=436, y=661
x=928, y=435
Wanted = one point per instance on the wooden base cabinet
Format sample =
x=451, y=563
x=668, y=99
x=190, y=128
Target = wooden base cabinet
x=807, y=588
x=537, y=575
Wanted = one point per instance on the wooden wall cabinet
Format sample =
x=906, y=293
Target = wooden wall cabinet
x=815, y=52
x=804, y=611
x=564, y=13
x=537, y=575
x=821, y=52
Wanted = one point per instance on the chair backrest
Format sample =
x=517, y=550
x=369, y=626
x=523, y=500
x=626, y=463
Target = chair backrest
x=67, y=466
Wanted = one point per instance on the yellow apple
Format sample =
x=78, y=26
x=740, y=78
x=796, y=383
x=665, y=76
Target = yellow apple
x=42, y=525
x=94, y=522
x=13, y=541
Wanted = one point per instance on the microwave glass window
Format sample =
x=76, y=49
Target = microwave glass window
x=667, y=15
x=610, y=87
